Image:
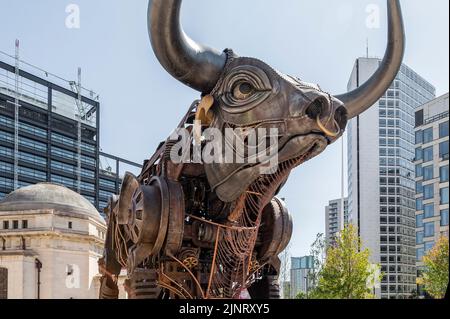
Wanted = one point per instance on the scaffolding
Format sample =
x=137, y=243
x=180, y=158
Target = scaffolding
x=81, y=114
x=61, y=103
x=16, y=116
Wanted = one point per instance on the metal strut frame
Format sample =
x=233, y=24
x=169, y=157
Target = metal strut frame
x=16, y=116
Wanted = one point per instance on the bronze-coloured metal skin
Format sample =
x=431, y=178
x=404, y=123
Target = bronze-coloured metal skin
x=193, y=64
x=275, y=101
x=214, y=229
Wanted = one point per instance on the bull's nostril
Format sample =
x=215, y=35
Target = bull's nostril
x=341, y=117
x=315, y=109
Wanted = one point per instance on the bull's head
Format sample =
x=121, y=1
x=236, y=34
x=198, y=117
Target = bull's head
x=248, y=93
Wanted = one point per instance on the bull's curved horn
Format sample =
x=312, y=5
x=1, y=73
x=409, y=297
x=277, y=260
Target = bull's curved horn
x=189, y=62
x=362, y=98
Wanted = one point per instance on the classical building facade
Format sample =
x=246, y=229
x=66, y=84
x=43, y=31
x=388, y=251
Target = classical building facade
x=50, y=241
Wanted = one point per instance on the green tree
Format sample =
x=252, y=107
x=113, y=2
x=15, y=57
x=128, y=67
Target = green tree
x=301, y=295
x=435, y=275
x=318, y=255
x=347, y=272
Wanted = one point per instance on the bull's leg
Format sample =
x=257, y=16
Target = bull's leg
x=142, y=284
x=108, y=288
x=268, y=287
x=109, y=266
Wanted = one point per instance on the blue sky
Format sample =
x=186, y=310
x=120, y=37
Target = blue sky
x=316, y=40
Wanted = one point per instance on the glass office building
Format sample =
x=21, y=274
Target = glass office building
x=300, y=275
x=381, y=176
x=432, y=161
x=48, y=147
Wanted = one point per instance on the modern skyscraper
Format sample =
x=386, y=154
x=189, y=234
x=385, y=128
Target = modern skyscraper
x=432, y=158
x=381, y=175
x=55, y=138
x=300, y=275
x=335, y=218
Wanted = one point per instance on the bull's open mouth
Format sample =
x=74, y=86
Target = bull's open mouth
x=289, y=155
x=268, y=184
x=302, y=146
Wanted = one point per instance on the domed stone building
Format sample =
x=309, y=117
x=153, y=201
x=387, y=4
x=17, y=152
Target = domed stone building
x=50, y=241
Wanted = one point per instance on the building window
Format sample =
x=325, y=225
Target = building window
x=32, y=173
x=15, y=224
x=443, y=173
x=428, y=246
x=419, y=118
x=429, y=229
x=419, y=170
x=34, y=145
x=428, y=154
x=443, y=150
x=428, y=135
x=419, y=187
x=6, y=182
x=6, y=167
x=444, y=196
x=33, y=130
x=428, y=172
x=63, y=153
x=444, y=217
x=428, y=210
x=443, y=130
x=419, y=154
x=24, y=224
x=419, y=220
x=87, y=187
x=5, y=224
x=420, y=253
x=419, y=137
x=419, y=204
x=107, y=183
x=68, y=182
x=419, y=238
x=428, y=191
x=32, y=159
x=70, y=225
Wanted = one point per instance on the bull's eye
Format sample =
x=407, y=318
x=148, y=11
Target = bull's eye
x=243, y=90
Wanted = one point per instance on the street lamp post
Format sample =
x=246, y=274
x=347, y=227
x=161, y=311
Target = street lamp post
x=307, y=285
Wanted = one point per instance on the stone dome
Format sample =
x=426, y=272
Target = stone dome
x=46, y=196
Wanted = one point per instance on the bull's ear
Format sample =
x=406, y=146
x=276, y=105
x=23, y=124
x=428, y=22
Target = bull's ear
x=191, y=63
x=362, y=98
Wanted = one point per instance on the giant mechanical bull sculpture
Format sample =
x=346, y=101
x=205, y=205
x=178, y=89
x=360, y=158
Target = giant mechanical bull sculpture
x=212, y=230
